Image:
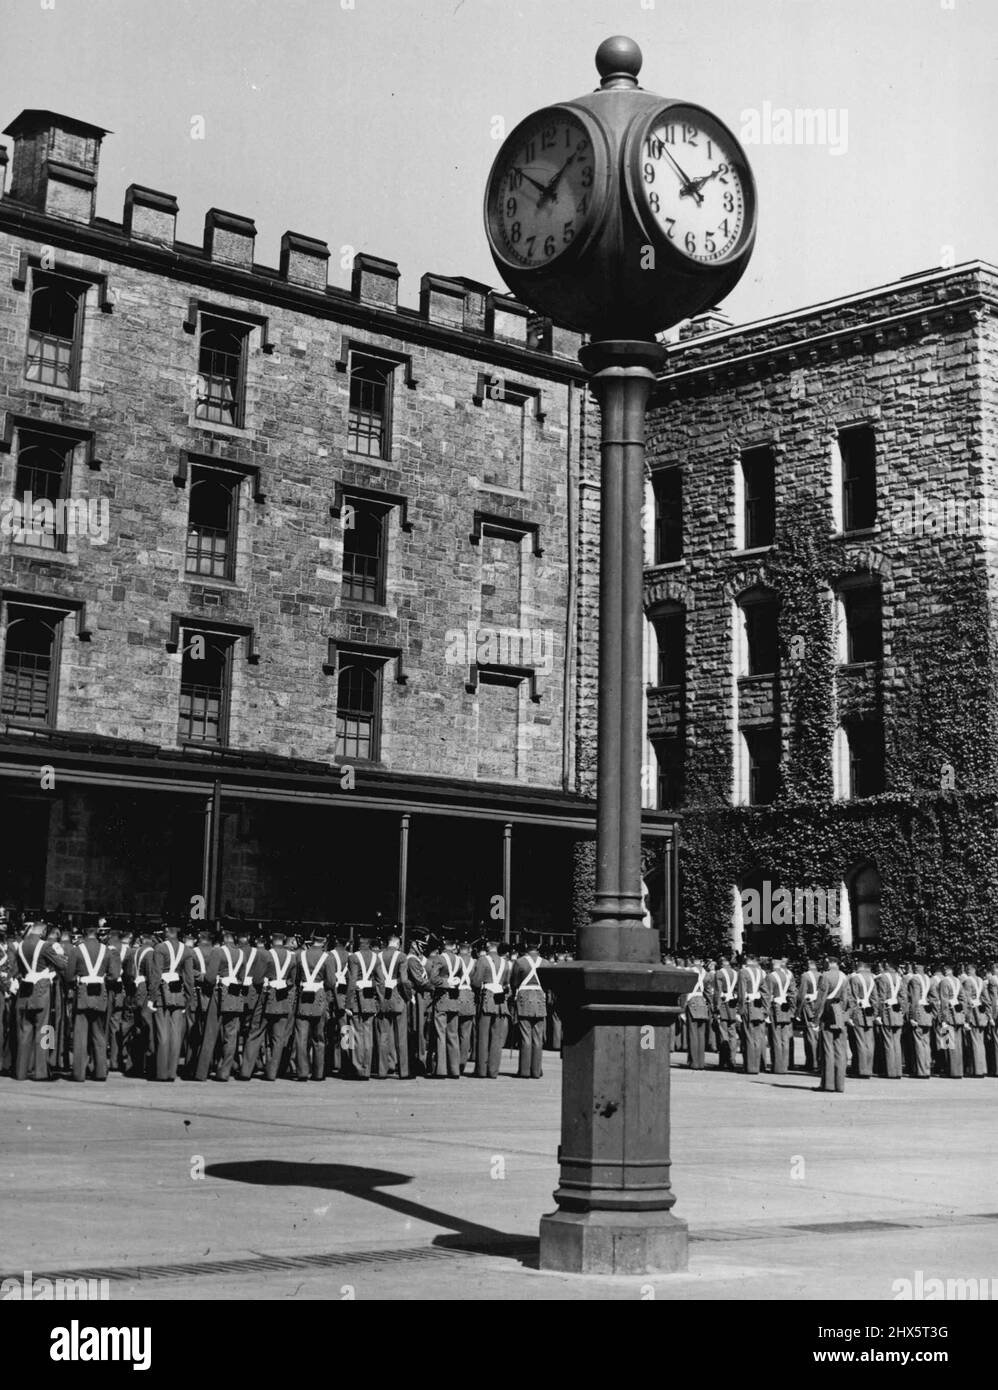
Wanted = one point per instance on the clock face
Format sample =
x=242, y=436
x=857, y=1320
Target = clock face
x=544, y=189
x=690, y=175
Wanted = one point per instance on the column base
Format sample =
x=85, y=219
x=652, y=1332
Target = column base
x=613, y=1242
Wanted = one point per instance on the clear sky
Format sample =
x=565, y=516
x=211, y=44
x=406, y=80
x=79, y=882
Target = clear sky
x=371, y=125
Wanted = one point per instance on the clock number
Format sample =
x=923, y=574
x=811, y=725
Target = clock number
x=515, y=232
x=549, y=246
x=670, y=223
x=722, y=169
x=530, y=246
x=653, y=147
x=530, y=152
x=515, y=180
x=548, y=136
x=724, y=228
x=582, y=146
x=729, y=202
x=567, y=233
x=582, y=206
x=710, y=150
x=587, y=176
x=690, y=243
x=654, y=203
x=667, y=137
x=709, y=241
x=689, y=134
x=510, y=207
x=649, y=172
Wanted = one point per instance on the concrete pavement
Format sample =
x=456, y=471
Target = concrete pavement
x=434, y=1189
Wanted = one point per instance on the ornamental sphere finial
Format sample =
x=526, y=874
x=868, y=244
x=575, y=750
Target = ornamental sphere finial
x=618, y=62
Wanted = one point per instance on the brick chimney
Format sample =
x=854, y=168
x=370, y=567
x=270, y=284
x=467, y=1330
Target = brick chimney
x=55, y=163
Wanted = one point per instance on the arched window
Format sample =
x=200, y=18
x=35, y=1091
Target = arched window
x=863, y=885
x=29, y=662
x=54, y=330
x=358, y=707
x=42, y=474
x=669, y=621
x=211, y=524
x=220, y=371
x=860, y=623
x=204, y=688
x=370, y=406
x=759, y=609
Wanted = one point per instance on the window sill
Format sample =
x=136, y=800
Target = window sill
x=749, y=552
x=862, y=533
x=214, y=427
x=209, y=582
x=37, y=552
x=658, y=565
x=62, y=394
x=376, y=460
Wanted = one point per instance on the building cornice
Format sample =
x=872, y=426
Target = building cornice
x=189, y=265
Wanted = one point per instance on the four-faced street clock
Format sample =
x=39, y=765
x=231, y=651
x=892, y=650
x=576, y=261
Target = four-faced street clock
x=621, y=213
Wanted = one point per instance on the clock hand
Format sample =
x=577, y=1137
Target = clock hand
x=697, y=184
x=549, y=192
x=688, y=187
x=523, y=174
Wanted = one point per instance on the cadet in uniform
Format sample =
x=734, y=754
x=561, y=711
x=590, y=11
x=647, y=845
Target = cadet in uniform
x=419, y=989
x=531, y=1010
x=890, y=1002
x=920, y=1022
x=337, y=1057
x=726, y=1014
x=89, y=968
x=203, y=1020
x=137, y=1016
x=697, y=1018
x=976, y=1020
x=275, y=977
x=116, y=1000
x=807, y=994
x=444, y=976
x=946, y=995
x=862, y=1012
x=831, y=1008
x=393, y=1021
x=316, y=987
x=171, y=985
x=231, y=991
x=37, y=963
x=491, y=981
x=783, y=997
x=753, y=1005
x=364, y=995
x=465, y=1004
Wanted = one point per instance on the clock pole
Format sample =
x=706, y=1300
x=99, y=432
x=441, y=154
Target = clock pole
x=622, y=279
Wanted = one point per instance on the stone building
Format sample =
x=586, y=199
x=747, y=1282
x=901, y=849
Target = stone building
x=821, y=592
x=291, y=582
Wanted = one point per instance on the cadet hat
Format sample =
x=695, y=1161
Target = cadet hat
x=317, y=936
x=448, y=936
x=277, y=934
x=207, y=936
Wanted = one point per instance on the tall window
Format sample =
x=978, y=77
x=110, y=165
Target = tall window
x=358, y=708
x=43, y=471
x=667, y=484
x=763, y=748
x=204, y=688
x=364, y=551
x=862, y=620
x=30, y=664
x=370, y=429
x=211, y=523
x=759, y=493
x=55, y=330
x=857, y=449
x=669, y=623
x=865, y=739
x=760, y=611
x=221, y=371
x=863, y=886
x=671, y=781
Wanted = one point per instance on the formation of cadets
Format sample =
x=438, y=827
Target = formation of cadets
x=233, y=1004
x=886, y=1017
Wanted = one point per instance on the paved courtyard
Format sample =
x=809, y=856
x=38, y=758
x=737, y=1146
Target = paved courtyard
x=434, y=1189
